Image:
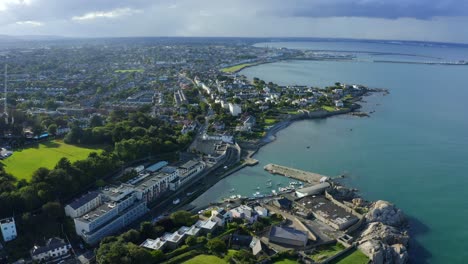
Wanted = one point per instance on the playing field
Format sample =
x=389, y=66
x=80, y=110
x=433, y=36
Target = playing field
x=205, y=259
x=24, y=162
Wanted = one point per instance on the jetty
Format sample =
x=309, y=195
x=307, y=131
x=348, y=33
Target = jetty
x=304, y=176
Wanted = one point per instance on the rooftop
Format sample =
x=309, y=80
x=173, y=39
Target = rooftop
x=153, y=243
x=327, y=209
x=288, y=233
x=77, y=203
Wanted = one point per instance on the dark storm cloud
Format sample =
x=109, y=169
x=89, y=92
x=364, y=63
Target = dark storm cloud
x=387, y=9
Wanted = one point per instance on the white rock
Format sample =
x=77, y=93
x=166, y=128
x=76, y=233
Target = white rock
x=386, y=213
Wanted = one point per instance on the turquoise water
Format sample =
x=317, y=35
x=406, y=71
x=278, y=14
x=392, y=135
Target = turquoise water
x=413, y=151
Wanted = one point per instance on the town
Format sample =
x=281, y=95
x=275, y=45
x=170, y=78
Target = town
x=133, y=131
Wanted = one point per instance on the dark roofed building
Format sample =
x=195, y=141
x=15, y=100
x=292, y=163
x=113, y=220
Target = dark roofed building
x=283, y=203
x=83, y=204
x=287, y=236
x=54, y=250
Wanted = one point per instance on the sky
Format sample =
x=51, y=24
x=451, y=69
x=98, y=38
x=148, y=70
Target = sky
x=424, y=20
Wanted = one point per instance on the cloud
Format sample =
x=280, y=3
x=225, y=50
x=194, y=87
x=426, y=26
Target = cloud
x=387, y=9
x=6, y=4
x=109, y=14
x=30, y=23
x=435, y=20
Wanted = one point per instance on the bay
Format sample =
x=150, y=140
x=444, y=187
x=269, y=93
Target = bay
x=413, y=151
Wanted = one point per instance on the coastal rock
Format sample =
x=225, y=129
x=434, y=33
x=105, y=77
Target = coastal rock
x=386, y=213
x=381, y=253
x=343, y=193
x=387, y=234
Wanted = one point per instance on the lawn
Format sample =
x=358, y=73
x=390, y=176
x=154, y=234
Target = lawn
x=286, y=261
x=327, y=251
x=329, y=108
x=203, y=259
x=270, y=121
x=357, y=257
x=235, y=68
x=130, y=70
x=24, y=162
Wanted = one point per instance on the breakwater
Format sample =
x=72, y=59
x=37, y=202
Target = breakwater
x=301, y=175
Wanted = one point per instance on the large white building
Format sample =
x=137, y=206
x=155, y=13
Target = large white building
x=121, y=206
x=83, y=204
x=235, y=109
x=8, y=227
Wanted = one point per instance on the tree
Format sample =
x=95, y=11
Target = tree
x=216, y=246
x=95, y=121
x=157, y=255
x=182, y=218
x=257, y=226
x=244, y=256
x=190, y=241
x=201, y=240
x=131, y=236
x=52, y=129
x=53, y=210
x=147, y=230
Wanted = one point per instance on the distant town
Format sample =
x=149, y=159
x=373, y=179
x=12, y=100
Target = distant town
x=105, y=143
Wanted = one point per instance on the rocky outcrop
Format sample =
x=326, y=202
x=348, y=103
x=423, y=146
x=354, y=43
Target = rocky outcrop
x=385, y=239
x=381, y=253
x=342, y=193
x=387, y=234
x=386, y=213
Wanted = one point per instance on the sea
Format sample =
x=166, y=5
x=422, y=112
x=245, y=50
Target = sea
x=411, y=151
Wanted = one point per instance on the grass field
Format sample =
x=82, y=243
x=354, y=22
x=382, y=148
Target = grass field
x=24, y=162
x=270, y=121
x=203, y=259
x=286, y=261
x=328, y=108
x=357, y=257
x=130, y=70
x=235, y=68
x=326, y=252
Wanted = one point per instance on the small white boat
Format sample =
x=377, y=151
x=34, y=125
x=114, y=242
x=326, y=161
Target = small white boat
x=176, y=201
x=232, y=190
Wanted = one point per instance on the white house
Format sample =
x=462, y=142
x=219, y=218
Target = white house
x=55, y=249
x=235, y=109
x=339, y=103
x=8, y=229
x=261, y=211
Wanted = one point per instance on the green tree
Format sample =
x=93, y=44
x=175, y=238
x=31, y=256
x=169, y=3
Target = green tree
x=182, y=218
x=52, y=129
x=190, y=241
x=147, y=230
x=216, y=246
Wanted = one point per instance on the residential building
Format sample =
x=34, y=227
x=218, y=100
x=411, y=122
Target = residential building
x=287, y=236
x=283, y=203
x=235, y=109
x=339, y=103
x=220, y=216
x=261, y=211
x=244, y=212
x=8, y=227
x=83, y=204
x=55, y=249
x=189, y=170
